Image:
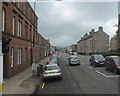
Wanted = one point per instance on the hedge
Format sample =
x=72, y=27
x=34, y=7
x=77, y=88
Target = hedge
x=106, y=53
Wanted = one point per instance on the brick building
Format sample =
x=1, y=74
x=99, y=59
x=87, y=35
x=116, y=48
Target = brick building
x=19, y=25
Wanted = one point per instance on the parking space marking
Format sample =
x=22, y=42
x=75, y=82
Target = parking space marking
x=106, y=75
x=101, y=73
x=82, y=63
x=112, y=76
x=43, y=85
x=89, y=67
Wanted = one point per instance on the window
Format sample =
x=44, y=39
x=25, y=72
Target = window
x=26, y=55
x=26, y=32
x=12, y=57
x=3, y=19
x=13, y=25
x=19, y=56
x=18, y=28
x=95, y=38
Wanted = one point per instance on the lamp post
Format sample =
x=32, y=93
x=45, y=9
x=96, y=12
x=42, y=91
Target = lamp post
x=1, y=54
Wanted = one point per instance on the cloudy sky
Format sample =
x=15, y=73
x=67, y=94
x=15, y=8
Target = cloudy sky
x=64, y=23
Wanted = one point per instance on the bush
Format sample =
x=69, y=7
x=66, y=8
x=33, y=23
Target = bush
x=106, y=53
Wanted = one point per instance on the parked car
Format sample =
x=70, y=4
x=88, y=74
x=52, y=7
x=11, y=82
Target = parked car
x=97, y=60
x=51, y=71
x=75, y=53
x=113, y=64
x=54, y=58
x=53, y=62
x=73, y=60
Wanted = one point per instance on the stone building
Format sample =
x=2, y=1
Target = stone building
x=113, y=43
x=19, y=23
x=94, y=42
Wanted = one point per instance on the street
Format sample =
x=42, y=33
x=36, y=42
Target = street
x=81, y=79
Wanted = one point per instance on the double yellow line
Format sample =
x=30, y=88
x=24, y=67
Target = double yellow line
x=1, y=87
x=43, y=85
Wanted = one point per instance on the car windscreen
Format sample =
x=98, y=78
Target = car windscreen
x=54, y=57
x=99, y=57
x=51, y=68
x=117, y=60
x=74, y=58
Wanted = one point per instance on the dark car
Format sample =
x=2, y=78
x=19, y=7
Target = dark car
x=73, y=60
x=113, y=64
x=97, y=60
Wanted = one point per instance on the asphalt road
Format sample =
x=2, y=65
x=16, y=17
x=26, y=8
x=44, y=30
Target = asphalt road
x=81, y=79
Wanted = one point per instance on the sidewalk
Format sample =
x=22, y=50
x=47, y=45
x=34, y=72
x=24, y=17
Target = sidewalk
x=23, y=83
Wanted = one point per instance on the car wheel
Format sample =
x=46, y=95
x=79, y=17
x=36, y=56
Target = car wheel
x=60, y=78
x=115, y=70
x=106, y=68
x=95, y=64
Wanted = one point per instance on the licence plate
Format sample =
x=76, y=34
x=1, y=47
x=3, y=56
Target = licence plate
x=75, y=63
x=51, y=73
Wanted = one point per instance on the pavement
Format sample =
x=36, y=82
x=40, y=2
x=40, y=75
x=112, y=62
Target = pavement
x=23, y=83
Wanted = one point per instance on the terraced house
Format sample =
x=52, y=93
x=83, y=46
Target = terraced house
x=94, y=42
x=19, y=23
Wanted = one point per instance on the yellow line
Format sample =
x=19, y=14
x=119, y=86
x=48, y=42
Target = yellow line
x=1, y=87
x=43, y=85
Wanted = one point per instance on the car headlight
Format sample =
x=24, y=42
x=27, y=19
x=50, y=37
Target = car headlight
x=96, y=61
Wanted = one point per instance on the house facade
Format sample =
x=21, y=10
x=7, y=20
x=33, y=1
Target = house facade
x=19, y=23
x=94, y=42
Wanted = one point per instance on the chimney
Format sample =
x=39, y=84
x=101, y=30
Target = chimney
x=92, y=32
x=100, y=28
x=85, y=36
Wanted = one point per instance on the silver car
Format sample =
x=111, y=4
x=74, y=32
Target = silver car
x=52, y=71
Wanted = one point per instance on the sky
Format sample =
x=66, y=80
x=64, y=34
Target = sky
x=64, y=23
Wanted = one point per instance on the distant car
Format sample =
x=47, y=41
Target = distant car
x=97, y=60
x=70, y=53
x=74, y=60
x=54, y=58
x=52, y=71
x=75, y=53
x=113, y=64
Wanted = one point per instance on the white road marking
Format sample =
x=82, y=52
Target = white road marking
x=113, y=76
x=101, y=73
x=82, y=63
x=89, y=67
x=106, y=75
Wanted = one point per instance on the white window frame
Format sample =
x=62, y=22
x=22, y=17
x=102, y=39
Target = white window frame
x=3, y=19
x=18, y=28
x=13, y=25
x=12, y=57
x=18, y=56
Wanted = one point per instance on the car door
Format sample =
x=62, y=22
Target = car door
x=107, y=62
x=113, y=66
x=110, y=64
